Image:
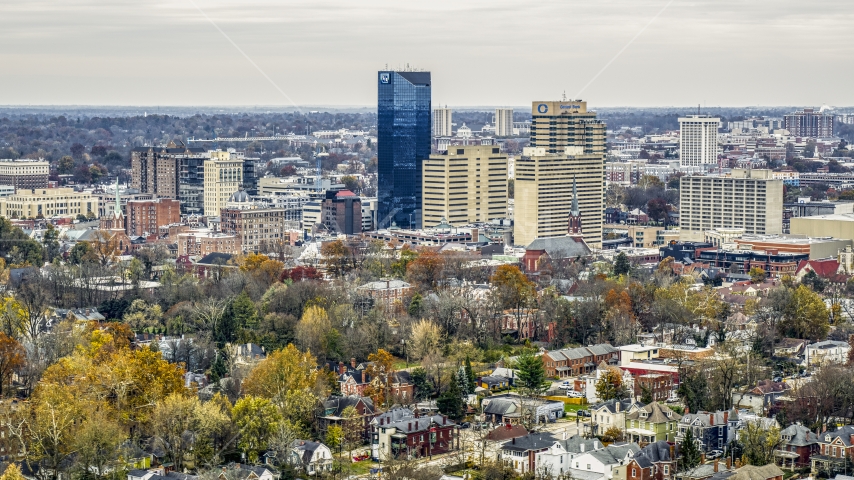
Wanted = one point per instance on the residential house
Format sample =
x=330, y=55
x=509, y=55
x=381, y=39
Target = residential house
x=557, y=458
x=571, y=362
x=638, y=468
x=834, y=450
x=416, y=437
x=314, y=458
x=521, y=453
x=489, y=446
x=248, y=353
x=711, y=430
x=493, y=382
x=799, y=443
x=662, y=456
x=751, y=472
x=826, y=353
x=507, y=373
x=611, y=413
x=509, y=408
x=790, y=348
x=602, y=463
x=333, y=411
x=396, y=414
x=652, y=423
x=706, y=470
x=761, y=397
x=354, y=378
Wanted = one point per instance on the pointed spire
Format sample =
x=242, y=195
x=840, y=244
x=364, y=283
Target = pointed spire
x=118, y=210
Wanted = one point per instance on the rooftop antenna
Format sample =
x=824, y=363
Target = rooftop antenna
x=698, y=109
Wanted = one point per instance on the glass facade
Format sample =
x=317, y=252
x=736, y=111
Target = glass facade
x=403, y=142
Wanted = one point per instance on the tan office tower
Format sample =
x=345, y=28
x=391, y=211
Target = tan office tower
x=556, y=125
x=223, y=177
x=464, y=185
x=698, y=140
x=748, y=199
x=503, y=122
x=543, y=199
x=442, y=122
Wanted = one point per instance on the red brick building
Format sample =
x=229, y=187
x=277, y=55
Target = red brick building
x=570, y=362
x=658, y=385
x=145, y=217
x=342, y=212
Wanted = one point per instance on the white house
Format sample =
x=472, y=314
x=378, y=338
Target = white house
x=558, y=458
x=314, y=458
x=600, y=464
x=826, y=352
x=612, y=413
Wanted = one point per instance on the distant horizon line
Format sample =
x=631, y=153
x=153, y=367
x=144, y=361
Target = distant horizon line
x=339, y=106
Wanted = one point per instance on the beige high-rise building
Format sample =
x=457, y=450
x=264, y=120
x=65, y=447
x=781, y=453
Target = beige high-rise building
x=503, y=122
x=748, y=199
x=49, y=203
x=543, y=196
x=698, y=140
x=223, y=177
x=24, y=174
x=442, y=122
x=464, y=185
x=556, y=125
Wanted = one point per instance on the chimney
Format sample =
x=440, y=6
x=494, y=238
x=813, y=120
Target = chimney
x=382, y=421
x=595, y=444
x=617, y=406
x=445, y=420
x=564, y=434
x=341, y=368
x=726, y=416
x=353, y=362
x=409, y=426
x=673, y=452
x=711, y=419
x=716, y=465
x=514, y=443
x=582, y=447
x=686, y=411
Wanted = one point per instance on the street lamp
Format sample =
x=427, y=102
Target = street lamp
x=403, y=342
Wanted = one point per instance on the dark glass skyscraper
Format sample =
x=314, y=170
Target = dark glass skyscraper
x=403, y=142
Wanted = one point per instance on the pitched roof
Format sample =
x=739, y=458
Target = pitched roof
x=823, y=268
x=532, y=441
x=338, y=404
x=506, y=432
x=655, y=413
x=800, y=435
x=844, y=433
x=419, y=424
x=752, y=472
x=560, y=247
x=575, y=443
x=657, y=451
x=215, y=258
x=611, y=405
x=615, y=454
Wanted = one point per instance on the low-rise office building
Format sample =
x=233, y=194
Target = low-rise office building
x=24, y=174
x=48, y=203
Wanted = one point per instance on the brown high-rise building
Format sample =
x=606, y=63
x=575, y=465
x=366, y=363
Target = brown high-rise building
x=159, y=170
x=342, y=212
x=567, y=123
x=145, y=217
x=809, y=122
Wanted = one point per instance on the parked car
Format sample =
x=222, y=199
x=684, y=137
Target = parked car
x=583, y=413
x=565, y=386
x=714, y=454
x=574, y=394
x=465, y=425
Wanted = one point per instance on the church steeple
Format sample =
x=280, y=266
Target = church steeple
x=574, y=223
x=118, y=208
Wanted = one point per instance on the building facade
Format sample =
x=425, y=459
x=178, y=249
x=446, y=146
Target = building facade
x=464, y=185
x=223, y=177
x=503, y=122
x=544, y=182
x=24, y=174
x=698, y=140
x=145, y=217
x=809, y=122
x=201, y=244
x=556, y=125
x=258, y=230
x=48, y=203
x=342, y=212
x=442, y=124
x=748, y=199
x=158, y=170
x=403, y=142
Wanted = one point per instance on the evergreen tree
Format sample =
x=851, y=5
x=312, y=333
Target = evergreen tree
x=622, y=266
x=463, y=381
x=689, y=453
x=532, y=374
x=416, y=306
x=451, y=402
x=244, y=312
x=470, y=375
x=423, y=387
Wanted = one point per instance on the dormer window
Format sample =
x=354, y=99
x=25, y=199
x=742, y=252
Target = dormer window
x=827, y=438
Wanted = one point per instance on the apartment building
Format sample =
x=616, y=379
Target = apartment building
x=204, y=243
x=342, y=212
x=503, y=122
x=809, y=122
x=24, y=174
x=157, y=170
x=48, y=203
x=442, y=125
x=698, y=140
x=561, y=124
x=257, y=230
x=464, y=185
x=223, y=178
x=749, y=199
x=145, y=217
x=544, y=183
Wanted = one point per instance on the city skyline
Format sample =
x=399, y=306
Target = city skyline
x=634, y=54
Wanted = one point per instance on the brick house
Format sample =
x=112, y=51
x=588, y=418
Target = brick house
x=834, y=448
x=571, y=362
x=799, y=444
x=390, y=294
x=333, y=410
x=414, y=437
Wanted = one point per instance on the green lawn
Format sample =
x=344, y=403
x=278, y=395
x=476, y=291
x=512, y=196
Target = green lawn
x=361, y=468
x=569, y=407
x=401, y=364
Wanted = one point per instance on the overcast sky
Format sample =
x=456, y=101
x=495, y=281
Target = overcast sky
x=495, y=52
